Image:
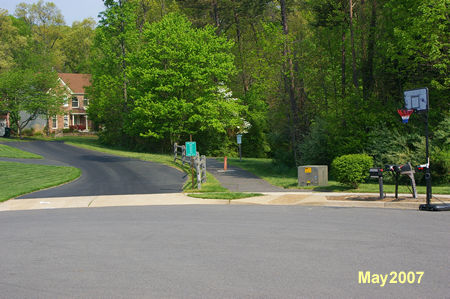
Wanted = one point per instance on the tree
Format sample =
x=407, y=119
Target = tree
x=10, y=41
x=177, y=79
x=76, y=43
x=46, y=23
x=26, y=91
x=115, y=38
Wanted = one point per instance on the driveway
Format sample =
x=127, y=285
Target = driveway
x=102, y=174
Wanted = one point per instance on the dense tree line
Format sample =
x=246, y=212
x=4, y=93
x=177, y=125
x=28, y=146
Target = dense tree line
x=304, y=80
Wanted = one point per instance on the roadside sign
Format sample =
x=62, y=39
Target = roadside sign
x=239, y=139
x=191, y=149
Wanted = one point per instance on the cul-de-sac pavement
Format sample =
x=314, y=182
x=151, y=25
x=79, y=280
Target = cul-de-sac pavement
x=125, y=230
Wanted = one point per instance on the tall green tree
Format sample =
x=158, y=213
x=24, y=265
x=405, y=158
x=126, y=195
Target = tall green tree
x=11, y=41
x=46, y=23
x=75, y=46
x=178, y=79
x=116, y=37
x=27, y=91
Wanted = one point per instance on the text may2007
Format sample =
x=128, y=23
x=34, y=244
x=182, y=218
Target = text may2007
x=394, y=277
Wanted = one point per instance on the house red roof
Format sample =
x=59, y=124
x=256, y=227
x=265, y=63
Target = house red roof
x=76, y=82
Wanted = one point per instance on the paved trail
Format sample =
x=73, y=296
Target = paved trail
x=239, y=180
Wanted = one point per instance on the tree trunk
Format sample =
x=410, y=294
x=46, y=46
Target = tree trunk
x=343, y=78
x=289, y=80
x=123, y=50
x=19, y=131
x=215, y=12
x=241, y=56
x=352, y=40
x=368, y=64
x=163, y=8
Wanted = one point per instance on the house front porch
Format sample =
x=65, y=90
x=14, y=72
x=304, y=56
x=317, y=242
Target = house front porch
x=80, y=122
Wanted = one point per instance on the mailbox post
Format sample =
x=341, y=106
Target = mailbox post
x=377, y=173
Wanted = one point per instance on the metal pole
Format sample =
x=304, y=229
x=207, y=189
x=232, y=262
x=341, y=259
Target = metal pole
x=380, y=182
x=396, y=185
x=192, y=165
x=428, y=171
x=240, y=153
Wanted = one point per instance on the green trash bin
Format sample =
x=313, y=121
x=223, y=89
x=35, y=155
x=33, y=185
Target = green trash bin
x=7, y=132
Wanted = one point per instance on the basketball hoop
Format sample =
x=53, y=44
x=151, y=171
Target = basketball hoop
x=405, y=114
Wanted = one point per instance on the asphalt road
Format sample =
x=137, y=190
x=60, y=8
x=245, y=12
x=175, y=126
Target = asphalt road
x=221, y=252
x=102, y=174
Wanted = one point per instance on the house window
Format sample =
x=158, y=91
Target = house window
x=66, y=102
x=74, y=102
x=54, y=122
x=85, y=102
x=66, y=121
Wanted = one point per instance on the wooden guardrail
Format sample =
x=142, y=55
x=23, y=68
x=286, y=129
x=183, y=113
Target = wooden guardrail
x=199, y=162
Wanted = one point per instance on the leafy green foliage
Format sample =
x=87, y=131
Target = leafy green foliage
x=352, y=169
x=31, y=92
x=174, y=75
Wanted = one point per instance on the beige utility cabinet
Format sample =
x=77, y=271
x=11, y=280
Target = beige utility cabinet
x=313, y=175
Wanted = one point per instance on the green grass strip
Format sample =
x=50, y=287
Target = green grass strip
x=211, y=185
x=12, y=152
x=18, y=178
x=224, y=195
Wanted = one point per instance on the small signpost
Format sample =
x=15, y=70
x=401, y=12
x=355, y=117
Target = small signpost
x=239, y=142
x=191, y=149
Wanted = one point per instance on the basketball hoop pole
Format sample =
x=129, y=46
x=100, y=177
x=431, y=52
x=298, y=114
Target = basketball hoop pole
x=418, y=100
x=427, y=172
x=428, y=206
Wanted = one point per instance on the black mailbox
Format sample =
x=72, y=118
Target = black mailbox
x=375, y=172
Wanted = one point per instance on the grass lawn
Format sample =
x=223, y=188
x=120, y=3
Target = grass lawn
x=224, y=195
x=18, y=178
x=287, y=178
x=11, y=152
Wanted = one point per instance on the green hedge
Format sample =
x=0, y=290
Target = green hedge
x=351, y=170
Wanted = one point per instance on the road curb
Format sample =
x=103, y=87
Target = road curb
x=275, y=198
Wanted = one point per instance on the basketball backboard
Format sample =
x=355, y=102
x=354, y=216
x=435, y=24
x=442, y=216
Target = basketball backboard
x=416, y=99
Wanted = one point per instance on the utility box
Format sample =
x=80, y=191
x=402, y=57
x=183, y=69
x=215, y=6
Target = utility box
x=313, y=175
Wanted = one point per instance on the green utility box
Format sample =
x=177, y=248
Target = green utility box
x=313, y=175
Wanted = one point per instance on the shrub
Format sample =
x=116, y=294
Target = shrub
x=351, y=170
x=27, y=132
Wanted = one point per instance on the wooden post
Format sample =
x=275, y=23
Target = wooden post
x=175, y=150
x=192, y=165
x=225, y=166
x=198, y=167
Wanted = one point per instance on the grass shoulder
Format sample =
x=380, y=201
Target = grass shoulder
x=18, y=178
x=12, y=152
x=224, y=195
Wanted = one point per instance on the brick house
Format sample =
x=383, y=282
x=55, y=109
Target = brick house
x=75, y=114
